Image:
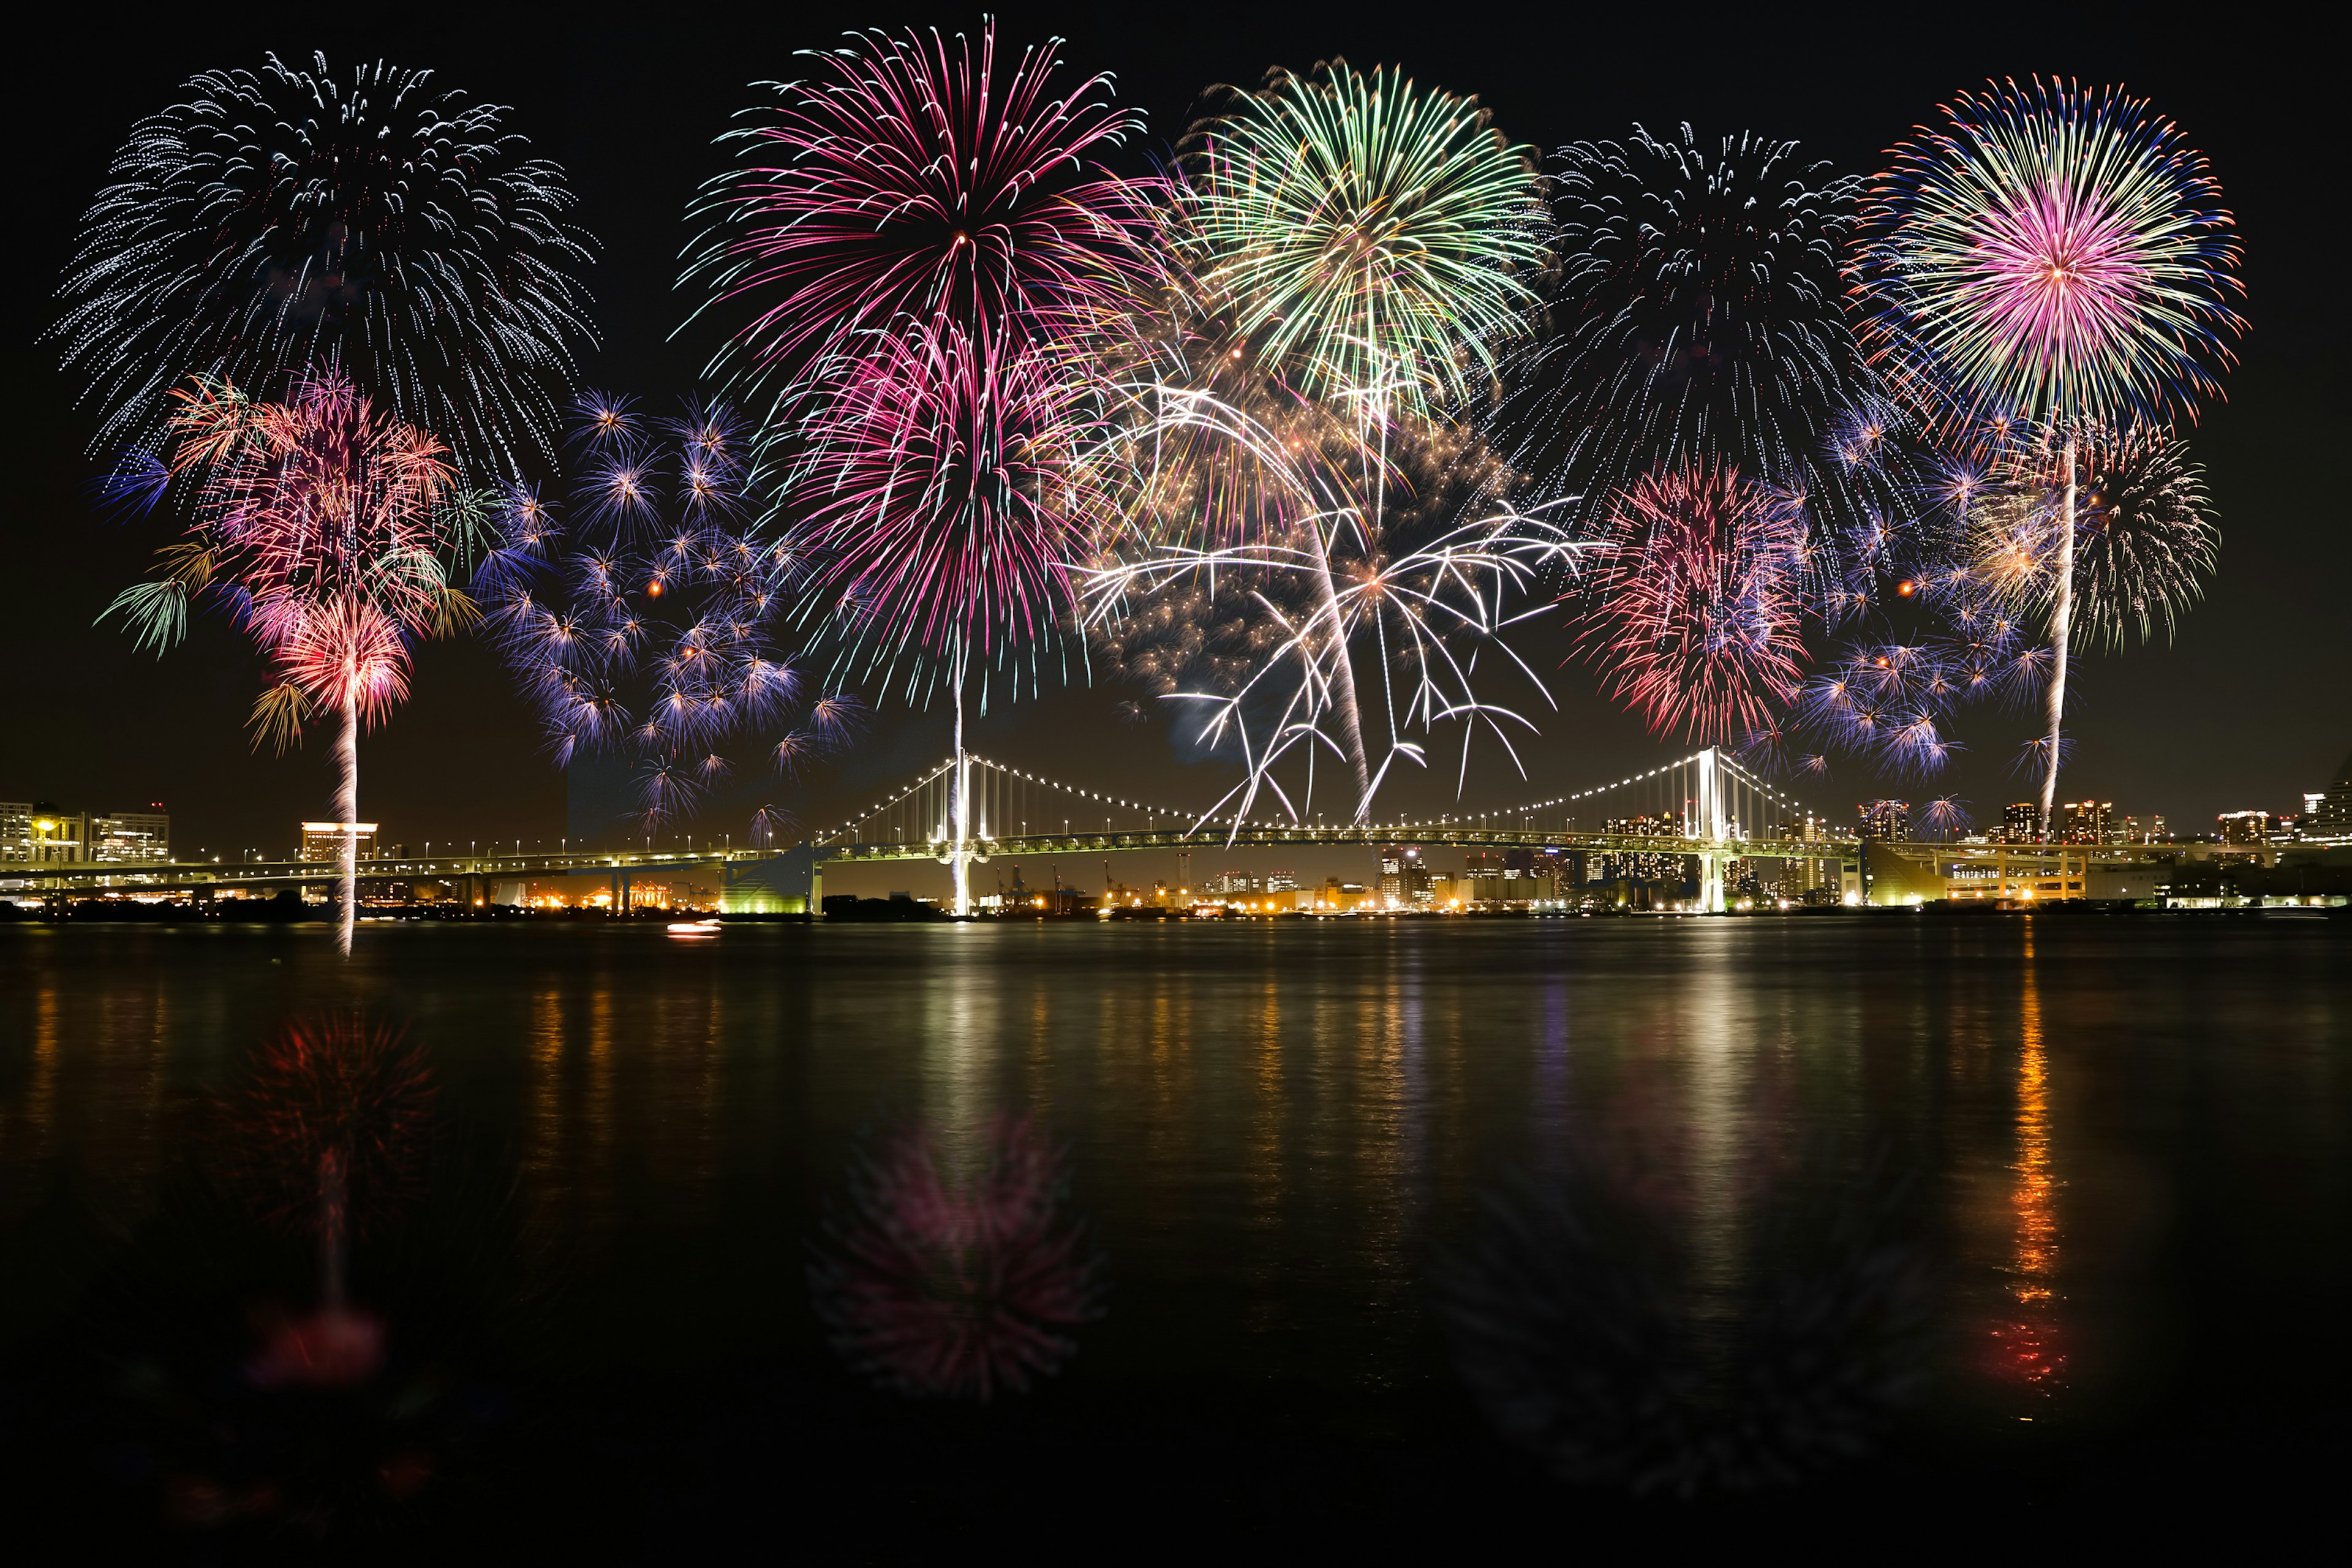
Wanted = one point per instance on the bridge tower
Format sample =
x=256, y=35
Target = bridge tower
x=1711, y=828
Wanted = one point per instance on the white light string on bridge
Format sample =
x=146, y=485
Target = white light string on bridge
x=1713, y=799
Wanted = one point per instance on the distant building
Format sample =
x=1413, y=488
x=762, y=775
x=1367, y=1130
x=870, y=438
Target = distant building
x=2331, y=813
x=53, y=837
x=1884, y=819
x=2086, y=822
x=131, y=837
x=2248, y=827
x=2021, y=824
x=324, y=840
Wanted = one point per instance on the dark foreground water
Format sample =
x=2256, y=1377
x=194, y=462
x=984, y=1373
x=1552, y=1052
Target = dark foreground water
x=1398, y=1233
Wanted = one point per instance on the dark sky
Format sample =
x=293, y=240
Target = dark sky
x=2253, y=705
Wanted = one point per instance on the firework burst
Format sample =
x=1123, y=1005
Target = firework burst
x=1372, y=236
x=661, y=652
x=910, y=180
x=2054, y=255
x=282, y=221
x=324, y=528
x=2054, y=252
x=1697, y=595
x=1696, y=314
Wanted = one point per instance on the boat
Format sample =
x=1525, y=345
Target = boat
x=694, y=928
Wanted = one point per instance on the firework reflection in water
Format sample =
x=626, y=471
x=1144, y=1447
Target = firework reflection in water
x=1583, y=1330
x=325, y=1138
x=937, y=1283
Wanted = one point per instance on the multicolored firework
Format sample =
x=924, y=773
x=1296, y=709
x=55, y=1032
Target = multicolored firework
x=280, y=221
x=1373, y=237
x=1696, y=314
x=2052, y=256
x=1697, y=593
x=2144, y=539
x=924, y=262
x=1352, y=630
x=324, y=528
x=908, y=180
x=933, y=1286
x=656, y=642
x=2052, y=252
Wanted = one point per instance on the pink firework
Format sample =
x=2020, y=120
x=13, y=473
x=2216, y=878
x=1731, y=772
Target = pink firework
x=910, y=178
x=322, y=525
x=1698, y=591
x=936, y=1286
x=2050, y=252
x=946, y=502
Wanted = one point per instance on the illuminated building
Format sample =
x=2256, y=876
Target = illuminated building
x=2249, y=827
x=2021, y=824
x=324, y=840
x=53, y=837
x=2331, y=812
x=1884, y=819
x=2086, y=822
x=131, y=837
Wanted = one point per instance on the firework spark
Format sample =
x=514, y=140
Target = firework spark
x=662, y=651
x=1696, y=314
x=281, y=220
x=910, y=180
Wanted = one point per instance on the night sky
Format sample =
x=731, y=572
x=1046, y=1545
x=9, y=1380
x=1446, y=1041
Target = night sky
x=2249, y=707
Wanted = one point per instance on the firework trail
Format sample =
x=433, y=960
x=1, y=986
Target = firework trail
x=325, y=528
x=933, y=1286
x=2052, y=255
x=923, y=237
x=1285, y=626
x=281, y=222
x=1372, y=236
x=1698, y=591
x=646, y=631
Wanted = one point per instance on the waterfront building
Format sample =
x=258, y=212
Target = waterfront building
x=2247, y=827
x=2021, y=824
x=131, y=837
x=2330, y=809
x=324, y=840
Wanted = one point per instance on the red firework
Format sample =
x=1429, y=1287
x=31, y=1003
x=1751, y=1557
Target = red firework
x=1697, y=596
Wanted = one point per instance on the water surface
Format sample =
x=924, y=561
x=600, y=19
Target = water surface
x=2114, y=1149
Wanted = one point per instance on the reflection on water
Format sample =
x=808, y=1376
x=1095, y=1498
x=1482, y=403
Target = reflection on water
x=2029, y=1340
x=1278, y=1132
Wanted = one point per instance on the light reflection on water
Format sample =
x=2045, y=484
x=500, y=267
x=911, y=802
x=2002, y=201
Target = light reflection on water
x=1273, y=1130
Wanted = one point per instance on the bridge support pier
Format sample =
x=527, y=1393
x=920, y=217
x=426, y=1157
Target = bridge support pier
x=1710, y=881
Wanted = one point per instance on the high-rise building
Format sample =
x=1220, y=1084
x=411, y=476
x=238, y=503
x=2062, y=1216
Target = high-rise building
x=16, y=832
x=2086, y=822
x=1884, y=819
x=324, y=840
x=2022, y=824
x=2245, y=827
x=2331, y=817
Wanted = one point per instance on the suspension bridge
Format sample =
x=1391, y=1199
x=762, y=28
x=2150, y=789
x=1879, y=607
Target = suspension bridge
x=970, y=810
